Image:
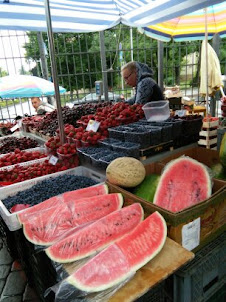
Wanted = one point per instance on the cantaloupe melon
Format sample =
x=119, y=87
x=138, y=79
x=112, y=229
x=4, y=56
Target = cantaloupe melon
x=125, y=172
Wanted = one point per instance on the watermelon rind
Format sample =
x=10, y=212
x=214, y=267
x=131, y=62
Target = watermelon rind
x=75, y=282
x=61, y=259
x=174, y=162
x=38, y=241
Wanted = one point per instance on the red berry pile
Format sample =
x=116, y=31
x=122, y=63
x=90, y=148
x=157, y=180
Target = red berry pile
x=19, y=156
x=9, y=144
x=21, y=173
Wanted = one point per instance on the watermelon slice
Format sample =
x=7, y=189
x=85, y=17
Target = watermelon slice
x=116, y=263
x=96, y=190
x=183, y=183
x=97, y=235
x=49, y=225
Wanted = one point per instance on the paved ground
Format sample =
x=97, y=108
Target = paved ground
x=13, y=281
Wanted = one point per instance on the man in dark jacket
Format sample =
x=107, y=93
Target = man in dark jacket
x=139, y=75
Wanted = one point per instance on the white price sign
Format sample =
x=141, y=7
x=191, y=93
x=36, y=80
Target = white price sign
x=180, y=112
x=191, y=234
x=53, y=160
x=93, y=125
x=14, y=128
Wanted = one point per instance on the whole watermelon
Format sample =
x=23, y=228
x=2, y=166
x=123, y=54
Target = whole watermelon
x=147, y=188
x=223, y=151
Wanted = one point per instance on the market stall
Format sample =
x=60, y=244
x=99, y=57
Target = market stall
x=136, y=259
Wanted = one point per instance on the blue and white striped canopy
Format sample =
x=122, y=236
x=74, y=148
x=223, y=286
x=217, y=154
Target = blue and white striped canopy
x=92, y=15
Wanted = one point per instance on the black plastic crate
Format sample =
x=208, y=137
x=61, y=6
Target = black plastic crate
x=155, y=294
x=128, y=148
x=95, y=158
x=204, y=276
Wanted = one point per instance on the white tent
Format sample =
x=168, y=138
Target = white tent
x=92, y=15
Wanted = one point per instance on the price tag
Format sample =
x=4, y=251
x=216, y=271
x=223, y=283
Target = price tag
x=191, y=234
x=14, y=128
x=53, y=160
x=93, y=125
x=180, y=112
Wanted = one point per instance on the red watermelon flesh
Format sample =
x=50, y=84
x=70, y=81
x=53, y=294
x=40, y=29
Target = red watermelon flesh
x=118, y=261
x=46, y=228
x=97, y=235
x=97, y=190
x=183, y=183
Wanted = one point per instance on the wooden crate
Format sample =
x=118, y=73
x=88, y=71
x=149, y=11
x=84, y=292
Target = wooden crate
x=212, y=211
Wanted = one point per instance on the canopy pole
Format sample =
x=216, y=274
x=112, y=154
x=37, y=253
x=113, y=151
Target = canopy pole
x=131, y=42
x=54, y=71
x=206, y=44
x=103, y=65
x=160, y=65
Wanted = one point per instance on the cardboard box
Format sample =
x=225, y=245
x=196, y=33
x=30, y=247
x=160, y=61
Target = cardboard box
x=212, y=211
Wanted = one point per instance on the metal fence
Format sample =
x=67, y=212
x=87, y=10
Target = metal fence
x=80, y=63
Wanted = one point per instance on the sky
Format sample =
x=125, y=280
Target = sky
x=12, y=51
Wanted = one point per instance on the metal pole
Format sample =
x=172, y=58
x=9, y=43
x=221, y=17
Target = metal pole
x=54, y=71
x=131, y=42
x=103, y=65
x=42, y=55
x=213, y=102
x=160, y=64
x=206, y=44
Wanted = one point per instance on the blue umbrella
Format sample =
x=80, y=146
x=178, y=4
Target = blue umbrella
x=26, y=86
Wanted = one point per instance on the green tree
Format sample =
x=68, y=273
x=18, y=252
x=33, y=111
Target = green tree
x=3, y=73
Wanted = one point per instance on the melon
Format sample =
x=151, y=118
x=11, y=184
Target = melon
x=96, y=190
x=122, y=258
x=126, y=172
x=97, y=235
x=49, y=225
x=147, y=188
x=183, y=183
x=218, y=171
x=222, y=152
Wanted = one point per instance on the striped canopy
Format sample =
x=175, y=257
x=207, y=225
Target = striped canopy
x=92, y=15
x=191, y=26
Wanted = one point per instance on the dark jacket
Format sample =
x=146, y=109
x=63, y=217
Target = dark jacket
x=147, y=90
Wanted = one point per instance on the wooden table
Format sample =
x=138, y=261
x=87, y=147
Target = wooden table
x=170, y=259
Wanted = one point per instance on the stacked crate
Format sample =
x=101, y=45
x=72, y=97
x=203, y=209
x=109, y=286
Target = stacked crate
x=208, y=134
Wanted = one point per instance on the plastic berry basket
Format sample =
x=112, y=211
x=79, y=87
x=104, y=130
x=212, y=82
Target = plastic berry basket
x=176, y=127
x=191, y=125
x=155, y=135
x=166, y=131
x=106, y=160
x=129, y=148
x=50, y=151
x=77, y=142
x=117, y=133
x=138, y=135
x=95, y=158
x=107, y=142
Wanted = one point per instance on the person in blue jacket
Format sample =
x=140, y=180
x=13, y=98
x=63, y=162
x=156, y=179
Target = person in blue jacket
x=139, y=75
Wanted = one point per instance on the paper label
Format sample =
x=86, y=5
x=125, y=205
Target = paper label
x=14, y=128
x=191, y=234
x=93, y=125
x=53, y=160
x=180, y=112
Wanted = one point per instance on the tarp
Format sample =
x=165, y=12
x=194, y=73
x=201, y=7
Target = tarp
x=92, y=15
